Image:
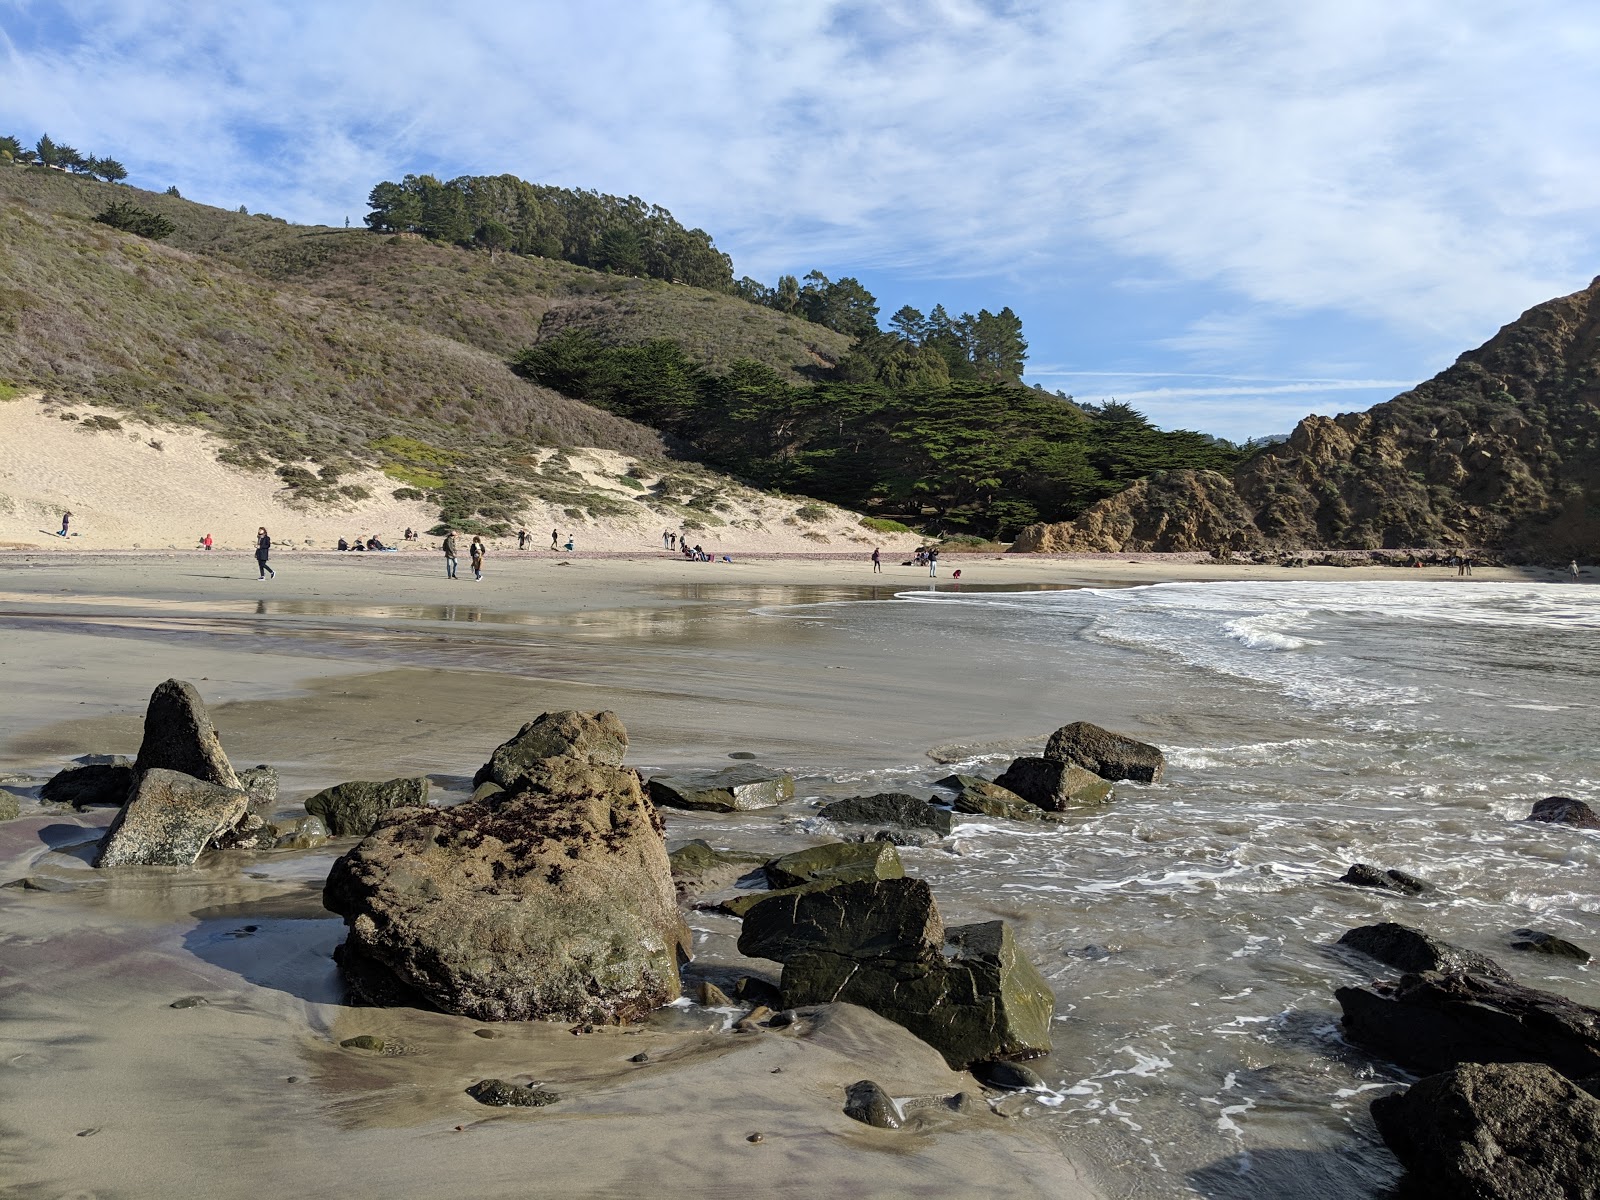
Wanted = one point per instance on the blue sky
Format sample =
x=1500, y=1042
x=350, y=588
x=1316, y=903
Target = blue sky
x=1228, y=214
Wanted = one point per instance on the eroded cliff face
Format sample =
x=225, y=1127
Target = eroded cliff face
x=1501, y=450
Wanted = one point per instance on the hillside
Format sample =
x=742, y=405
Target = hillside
x=1501, y=450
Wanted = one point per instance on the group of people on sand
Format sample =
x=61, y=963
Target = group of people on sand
x=475, y=552
x=525, y=539
x=371, y=543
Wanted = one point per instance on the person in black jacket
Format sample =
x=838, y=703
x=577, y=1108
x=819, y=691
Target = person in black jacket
x=264, y=548
x=449, y=554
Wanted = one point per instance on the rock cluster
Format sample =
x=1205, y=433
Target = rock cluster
x=1080, y=763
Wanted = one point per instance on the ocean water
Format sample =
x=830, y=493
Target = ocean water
x=1187, y=927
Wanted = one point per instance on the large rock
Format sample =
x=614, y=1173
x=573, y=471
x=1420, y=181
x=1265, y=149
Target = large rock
x=697, y=867
x=1515, y=1131
x=893, y=809
x=1054, y=785
x=1109, y=755
x=170, y=819
x=1411, y=950
x=84, y=787
x=596, y=736
x=179, y=736
x=354, y=808
x=1433, y=1021
x=551, y=899
x=983, y=798
x=733, y=789
x=1563, y=810
x=966, y=991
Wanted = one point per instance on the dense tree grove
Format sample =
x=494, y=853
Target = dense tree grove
x=50, y=153
x=502, y=212
x=976, y=453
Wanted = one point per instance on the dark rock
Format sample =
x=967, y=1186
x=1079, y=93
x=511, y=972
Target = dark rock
x=260, y=783
x=1563, y=810
x=974, y=795
x=354, y=808
x=1407, y=949
x=1515, y=1131
x=1432, y=1022
x=889, y=808
x=497, y=1093
x=898, y=837
x=881, y=943
x=697, y=868
x=732, y=789
x=95, y=784
x=552, y=900
x=868, y=1103
x=189, y=1002
x=1537, y=941
x=597, y=737
x=1367, y=875
x=1008, y=1076
x=1054, y=785
x=642, y=1057
x=751, y=990
x=1109, y=755
x=487, y=1034
x=171, y=818
x=179, y=736
x=834, y=862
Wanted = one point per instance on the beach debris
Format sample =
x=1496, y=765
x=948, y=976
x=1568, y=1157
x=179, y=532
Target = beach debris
x=1537, y=941
x=179, y=736
x=981, y=797
x=1564, y=810
x=1437, y=1020
x=353, y=808
x=89, y=1132
x=551, y=900
x=697, y=868
x=91, y=785
x=755, y=1139
x=867, y=1102
x=498, y=1093
x=893, y=809
x=732, y=789
x=642, y=1057
x=1053, y=784
x=1008, y=1076
x=597, y=737
x=189, y=1002
x=260, y=783
x=1113, y=756
x=1407, y=949
x=170, y=820
x=1368, y=876
x=968, y=991
x=1498, y=1131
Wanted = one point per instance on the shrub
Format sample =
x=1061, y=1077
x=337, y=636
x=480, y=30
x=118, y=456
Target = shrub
x=884, y=525
x=130, y=218
x=812, y=512
x=409, y=493
x=355, y=491
x=102, y=422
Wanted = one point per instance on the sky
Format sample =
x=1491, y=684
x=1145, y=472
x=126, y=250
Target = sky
x=1227, y=213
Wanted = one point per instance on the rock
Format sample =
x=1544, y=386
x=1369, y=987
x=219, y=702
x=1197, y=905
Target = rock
x=881, y=943
x=388, y=1047
x=697, y=868
x=1008, y=1076
x=484, y=790
x=1411, y=950
x=1433, y=1021
x=551, y=900
x=751, y=990
x=732, y=789
x=711, y=996
x=1054, y=785
x=1563, y=810
x=1536, y=941
x=260, y=783
x=497, y=1093
x=1112, y=756
x=95, y=784
x=189, y=1002
x=834, y=862
x=171, y=818
x=40, y=883
x=354, y=808
x=889, y=808
x=597, y=737
x=753, y=1020
x=980, y=796
x=307, y=833
x=10, y=807
x=1169, y=510
x=1515, y=1131
x=179, y=736
x=868, y=1103
x=1366, y=875
x=897, y=837
x=251, y=833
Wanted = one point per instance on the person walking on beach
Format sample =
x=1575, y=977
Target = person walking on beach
x=66, y=520
x=933, y=562
x=522, y=539
x=555, y=540
x=477, y=551
x=264, y=548
x=449, y=553
x=877, y=560
x=1574, y=569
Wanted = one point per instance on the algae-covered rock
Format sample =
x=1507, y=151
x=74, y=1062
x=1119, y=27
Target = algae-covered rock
x=597, y=737
x=836, y=861
x=868, y=1103
x=732, y=789
x=1407, y=949
x=1054, y=785
x=179, y=736
x=107, y=783
x=896, y=809
x=984, y=798
x=1112, y=756
x=1537, y=941
x=354, y=808
x=696, y=867
x=497, y=1093
x=171, y=818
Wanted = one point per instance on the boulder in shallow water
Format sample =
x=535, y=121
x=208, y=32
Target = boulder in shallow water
x=733, y=789
x=251, y=833
x=1537, y=941
x=1008, y=1076
x=867, y=1102
x=1564, y=810
x=1054, y=785
x=354, y=808
x=169, y=821
x=1112, y=756
x=96, y=784
x=894, y=809
x=697, y=868
x=1434, y=1021
x=598, y=737
x=835, y=862
x=260, y=783
x=498, y=1093
x=1504, y=1131
x=552, y=899
x=1368, y=876
x=984, y=798
x=179, y=736
x=1411, y=950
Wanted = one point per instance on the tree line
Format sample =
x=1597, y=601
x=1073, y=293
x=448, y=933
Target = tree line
x=49, y=153
x=979, y=455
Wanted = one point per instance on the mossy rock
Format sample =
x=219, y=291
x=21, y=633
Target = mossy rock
x=354, y=808
x=895, y=809
x=836, y=862
x=982, y=797
x=1053, y=784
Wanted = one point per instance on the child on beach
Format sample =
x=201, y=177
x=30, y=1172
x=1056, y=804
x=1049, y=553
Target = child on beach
x=477, y=551
x=264, y=548
x=206, y=541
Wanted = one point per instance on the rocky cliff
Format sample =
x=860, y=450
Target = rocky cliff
x=1501, y=451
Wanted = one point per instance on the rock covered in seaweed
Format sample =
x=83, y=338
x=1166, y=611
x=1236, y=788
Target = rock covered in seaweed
x=896, y=810
x=984, y=798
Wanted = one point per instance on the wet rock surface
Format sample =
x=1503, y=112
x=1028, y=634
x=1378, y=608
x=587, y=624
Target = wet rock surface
x=697, y=867
x=1369, y=876
x=867, y=1102
x=1537, y=941
x=170, y=821
x=1113, y=756
x=92, y=785
x=893, y=809
x=497, y=1093
x=354, y=808
x=1054, y=785
x=985, y=798
x=597, y=737
x=179, y=736
x=1411, y=950
x=260, y=783
x=1563, y=810
x=733, y=789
